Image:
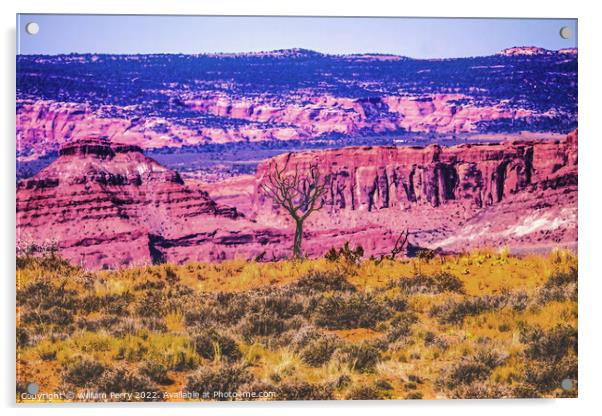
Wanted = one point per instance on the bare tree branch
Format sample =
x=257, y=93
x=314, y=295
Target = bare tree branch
x=299, y=193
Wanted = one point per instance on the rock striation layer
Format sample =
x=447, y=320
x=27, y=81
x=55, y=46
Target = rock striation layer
x=441, y=189
x=108, y=205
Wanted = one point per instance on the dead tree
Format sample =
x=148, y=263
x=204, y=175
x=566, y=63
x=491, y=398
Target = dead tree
x=399, y=246
x=299, y=193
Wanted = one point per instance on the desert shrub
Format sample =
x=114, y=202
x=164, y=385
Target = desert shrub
x=562, y=278
x=360, y=357
x=221, y=308
x=468, y=370
x=426, y=254
x=454, y=311
x=261, y=324
x=121, y=380
x=397, y=303
x=559, y=287
x=364, y=392
x=415, y=395
x=47, y=303
x=345, y=253
x=319, y=351
x=518, y=300
x=549, y=345
x=94, y=325
x=304, y=391
x=181, y=360
x=415, y=379
x=524, y=390
x=432, y=339
x=83, y=372
x=548, y=375
x=23, y=337
x=316, y=281
x=342, y=381
x=109, y=304
x=304, y=336
x=170, y=275
x=357, y=310
x=439, y=283
x=401, y=326
x=154, y=323
x=210, y=344
x=44, y=256
x=152, y=304
x=481, y=390
x=383, y=384
x=551, y=357
x=54, y=315
x=224, y=379
x=157, y=372
x=281, y=305
x=126, y=326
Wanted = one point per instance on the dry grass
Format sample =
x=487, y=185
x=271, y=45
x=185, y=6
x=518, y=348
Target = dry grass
x=425, y=332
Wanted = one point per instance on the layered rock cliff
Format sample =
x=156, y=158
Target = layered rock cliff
x=108, y=205
x=372, y=178
x=436, y=190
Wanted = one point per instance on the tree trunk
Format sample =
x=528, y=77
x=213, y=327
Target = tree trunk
x=298, y=238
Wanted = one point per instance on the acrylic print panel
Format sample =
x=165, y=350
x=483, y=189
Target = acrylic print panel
x=295, y=208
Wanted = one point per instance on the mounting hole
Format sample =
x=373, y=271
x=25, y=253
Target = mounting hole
x=32, y=28
x=32, y=388
x=567, y=384
x=565, y=32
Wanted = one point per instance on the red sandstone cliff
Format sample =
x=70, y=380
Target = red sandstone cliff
x=521, y=194
x=108, y=205
x=43, y=126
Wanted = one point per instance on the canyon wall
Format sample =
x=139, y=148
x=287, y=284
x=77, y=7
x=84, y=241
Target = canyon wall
x=107, y=205
x=374, y=178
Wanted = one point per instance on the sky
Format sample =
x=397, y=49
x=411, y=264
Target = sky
x=413, y=37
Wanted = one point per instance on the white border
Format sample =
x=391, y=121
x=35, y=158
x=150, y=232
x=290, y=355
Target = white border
x=590, y=153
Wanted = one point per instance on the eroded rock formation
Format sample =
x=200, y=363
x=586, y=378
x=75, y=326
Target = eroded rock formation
x=108, y=205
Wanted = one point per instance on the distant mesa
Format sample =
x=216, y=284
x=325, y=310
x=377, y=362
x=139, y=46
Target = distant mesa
x=534, y=50
x=277, y=53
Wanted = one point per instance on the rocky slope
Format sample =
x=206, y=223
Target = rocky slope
x=108, y=205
